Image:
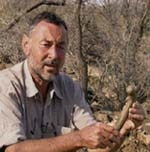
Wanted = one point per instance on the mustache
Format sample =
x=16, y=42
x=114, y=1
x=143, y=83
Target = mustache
x=51, y=62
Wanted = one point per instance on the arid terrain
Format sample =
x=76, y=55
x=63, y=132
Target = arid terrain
x=109, y=49
x=136, y=141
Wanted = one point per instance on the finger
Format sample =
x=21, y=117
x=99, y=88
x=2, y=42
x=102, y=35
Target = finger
x=114, y=139
x=111, y=130
x=137, y=108
x=106, y=128
x=102, y=145
x=136, y=111
x=129, y=125
x=114, y=132
x=136, y=105
x=136, y=117
x=106, y=142
x=114, y=136
x=108, y=137
x=105, y=134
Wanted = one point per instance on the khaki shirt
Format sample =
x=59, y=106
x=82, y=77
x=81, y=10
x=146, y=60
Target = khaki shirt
x=23, y=114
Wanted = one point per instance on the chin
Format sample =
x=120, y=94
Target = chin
x=50, y=77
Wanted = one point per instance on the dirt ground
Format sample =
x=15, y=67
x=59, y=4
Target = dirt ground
x=136, y=141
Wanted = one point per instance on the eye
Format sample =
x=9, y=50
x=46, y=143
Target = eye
x=44, y=46
x=47, y=45
x=61, y=46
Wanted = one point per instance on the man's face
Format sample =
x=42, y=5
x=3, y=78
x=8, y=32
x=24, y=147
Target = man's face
x=45, y=50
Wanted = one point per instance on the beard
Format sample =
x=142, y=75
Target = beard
x=45, y=78
x=46, y=75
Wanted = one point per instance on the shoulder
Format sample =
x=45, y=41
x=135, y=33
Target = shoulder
x=10, y=76
x=63, y=77
x=69, y=88
x=66, y=81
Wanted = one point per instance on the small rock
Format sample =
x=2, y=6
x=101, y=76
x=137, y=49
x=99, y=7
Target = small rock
x=144, y=135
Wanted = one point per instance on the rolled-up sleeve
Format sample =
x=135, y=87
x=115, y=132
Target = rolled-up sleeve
x=82, y=114
x=11, y=124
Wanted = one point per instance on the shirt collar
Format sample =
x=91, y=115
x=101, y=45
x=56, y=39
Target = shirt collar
x=31, y=89
x=57, y=88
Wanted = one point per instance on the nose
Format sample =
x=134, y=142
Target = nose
x=53, y=52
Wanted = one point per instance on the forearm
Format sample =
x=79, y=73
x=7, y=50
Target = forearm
x=65, y=143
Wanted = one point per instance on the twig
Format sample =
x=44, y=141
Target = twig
x=43, y=2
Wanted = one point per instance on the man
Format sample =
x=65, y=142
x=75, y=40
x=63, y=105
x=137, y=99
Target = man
x=42, y=109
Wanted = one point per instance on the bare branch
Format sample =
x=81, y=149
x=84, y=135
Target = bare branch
x=35, y=6
x=45, y=2
x=145, y=19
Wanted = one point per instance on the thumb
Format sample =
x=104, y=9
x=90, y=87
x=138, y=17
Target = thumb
x=129, y=125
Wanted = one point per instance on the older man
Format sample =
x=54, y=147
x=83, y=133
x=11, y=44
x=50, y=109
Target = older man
x=42, y=109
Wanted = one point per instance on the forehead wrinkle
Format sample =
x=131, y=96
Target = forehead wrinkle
x=48, y=30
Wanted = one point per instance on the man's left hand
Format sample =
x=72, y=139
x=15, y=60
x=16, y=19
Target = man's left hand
x=135, y=118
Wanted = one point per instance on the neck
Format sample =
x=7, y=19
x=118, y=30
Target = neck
x=42, y=86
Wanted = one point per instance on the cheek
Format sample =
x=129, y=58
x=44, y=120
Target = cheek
x=35, y=58
x=61, y=55
x=38, y=55
x=62, y=58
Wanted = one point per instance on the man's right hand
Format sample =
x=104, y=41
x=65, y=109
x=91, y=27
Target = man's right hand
x=99, y=135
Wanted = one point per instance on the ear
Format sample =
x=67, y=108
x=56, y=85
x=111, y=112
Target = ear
x=26, y=45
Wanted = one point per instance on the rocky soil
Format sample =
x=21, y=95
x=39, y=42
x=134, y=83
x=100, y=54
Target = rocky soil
x=136, y=141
